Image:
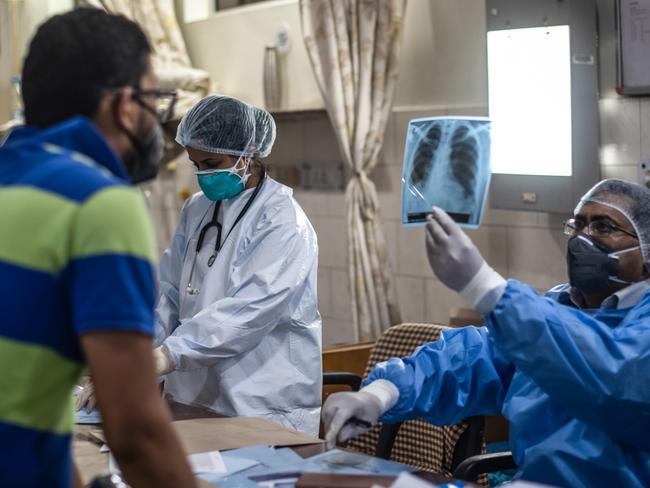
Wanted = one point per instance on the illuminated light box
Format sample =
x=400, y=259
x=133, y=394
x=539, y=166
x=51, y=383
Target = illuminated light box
x=529, y=76
x=542, y=84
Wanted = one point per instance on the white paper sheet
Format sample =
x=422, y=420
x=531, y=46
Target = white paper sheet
x=203, y=462
x=207, y=462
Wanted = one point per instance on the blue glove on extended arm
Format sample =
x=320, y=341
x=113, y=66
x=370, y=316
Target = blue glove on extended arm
x=458, y=264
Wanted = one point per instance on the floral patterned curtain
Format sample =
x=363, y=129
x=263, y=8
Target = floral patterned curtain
x=354, y=48
x=170, y=60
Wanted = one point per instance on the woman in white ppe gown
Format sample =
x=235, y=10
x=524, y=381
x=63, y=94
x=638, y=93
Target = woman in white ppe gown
x=238, y=327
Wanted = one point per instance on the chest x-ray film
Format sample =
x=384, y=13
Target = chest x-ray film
x=446, y=164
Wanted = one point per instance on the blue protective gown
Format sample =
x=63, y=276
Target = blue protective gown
x=574, y=384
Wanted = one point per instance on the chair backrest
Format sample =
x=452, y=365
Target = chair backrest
x=418, y=443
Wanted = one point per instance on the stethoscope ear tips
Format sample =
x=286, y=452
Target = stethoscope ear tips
x=191, y=291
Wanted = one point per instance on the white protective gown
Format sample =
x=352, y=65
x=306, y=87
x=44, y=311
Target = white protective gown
x=249, y=343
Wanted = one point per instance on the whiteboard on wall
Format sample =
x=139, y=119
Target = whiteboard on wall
x=633, y=23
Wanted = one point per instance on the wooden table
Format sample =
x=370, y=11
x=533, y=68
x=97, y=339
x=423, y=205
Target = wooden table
x=196, y=428
x=91, y=463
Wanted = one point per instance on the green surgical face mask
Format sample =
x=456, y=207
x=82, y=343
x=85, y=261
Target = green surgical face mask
x=222, y=184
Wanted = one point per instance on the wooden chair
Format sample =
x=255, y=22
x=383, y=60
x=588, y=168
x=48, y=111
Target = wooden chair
x=438, y=449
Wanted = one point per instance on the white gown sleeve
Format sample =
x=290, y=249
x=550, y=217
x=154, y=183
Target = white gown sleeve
x=169, y=277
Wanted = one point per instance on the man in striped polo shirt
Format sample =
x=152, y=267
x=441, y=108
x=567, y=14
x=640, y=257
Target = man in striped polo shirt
x=76, y=256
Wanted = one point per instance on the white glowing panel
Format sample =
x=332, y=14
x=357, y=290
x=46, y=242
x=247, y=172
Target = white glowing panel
x=529, y=75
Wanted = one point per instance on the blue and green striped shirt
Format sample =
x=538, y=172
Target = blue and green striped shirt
x=76, y=256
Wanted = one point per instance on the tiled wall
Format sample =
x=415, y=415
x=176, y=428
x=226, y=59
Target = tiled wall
x=625, y=135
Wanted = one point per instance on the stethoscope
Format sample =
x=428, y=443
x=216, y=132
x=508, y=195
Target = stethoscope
x=214, y=222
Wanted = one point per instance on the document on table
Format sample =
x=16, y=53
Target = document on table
x=204, y=463
x=207, y=462
x=83, y=417
x=337, y=461
x=277, y=466
x=264, y=460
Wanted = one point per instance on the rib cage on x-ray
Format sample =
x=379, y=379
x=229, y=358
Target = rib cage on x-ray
x=447, y=162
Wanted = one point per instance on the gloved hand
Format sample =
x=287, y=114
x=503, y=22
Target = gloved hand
x=339, y=408
x=86, y=397
x=164, y=363
x=453, y=257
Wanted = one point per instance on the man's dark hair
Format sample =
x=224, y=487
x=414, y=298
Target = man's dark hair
x=74, y=58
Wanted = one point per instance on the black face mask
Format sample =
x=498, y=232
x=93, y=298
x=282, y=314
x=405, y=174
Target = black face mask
x=591, y=267
x=143, y=162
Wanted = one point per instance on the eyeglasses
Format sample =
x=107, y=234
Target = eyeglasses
x=595, y=228
x=165, y=102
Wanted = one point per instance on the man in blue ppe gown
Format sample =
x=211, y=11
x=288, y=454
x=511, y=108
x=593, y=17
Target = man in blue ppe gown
x=569, y=369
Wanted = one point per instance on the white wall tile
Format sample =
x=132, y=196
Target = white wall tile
x=411, y=296
x=553, y=221
x=321, y=204
x=341, y=308
x=388, y=182
x=439, y=301
x=629, y=173
x=497, y=216
x=324, y=291
x=337, y=332
x=392, y=152
x=620, y=131
x=412, y=258
x=332, y=241
x=645, y=128
x=289, y=146
x=319, y=141
x=468, y=110
x=401, y=126
x=335, y=204
x=311, y=203
x=391, y=235
x=537, y=256
x=492, y=242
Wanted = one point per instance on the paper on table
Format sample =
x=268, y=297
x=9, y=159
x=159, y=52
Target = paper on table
x=83, y=417
x=337, y=461
x=207, y=462
x=113, y=468
x=235, y=464
x=525, y=484
x=407, y=480
x=266, y=459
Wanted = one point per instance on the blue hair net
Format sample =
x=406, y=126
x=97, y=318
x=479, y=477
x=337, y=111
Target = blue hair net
x=225, y=125
x=631, y=199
